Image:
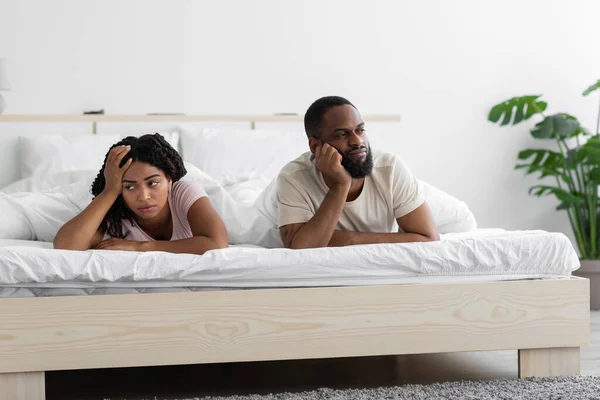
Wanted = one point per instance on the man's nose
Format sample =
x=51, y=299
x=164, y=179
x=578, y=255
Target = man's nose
x=354, y=140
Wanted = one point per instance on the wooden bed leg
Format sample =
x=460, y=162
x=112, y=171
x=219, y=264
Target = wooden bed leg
x=549, y=362
x=23, y=386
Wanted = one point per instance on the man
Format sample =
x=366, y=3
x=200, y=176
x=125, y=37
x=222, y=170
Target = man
x=341, y=193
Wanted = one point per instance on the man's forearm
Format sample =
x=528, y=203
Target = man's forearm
x=318, y=230
x=347, y=238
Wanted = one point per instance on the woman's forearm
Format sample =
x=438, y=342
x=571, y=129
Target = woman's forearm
x=193, y=245
x=79, y=232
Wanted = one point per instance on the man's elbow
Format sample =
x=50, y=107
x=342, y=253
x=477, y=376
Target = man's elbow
x=59, y=245
x=300, y=244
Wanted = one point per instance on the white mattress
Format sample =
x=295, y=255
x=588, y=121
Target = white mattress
x=33, y=268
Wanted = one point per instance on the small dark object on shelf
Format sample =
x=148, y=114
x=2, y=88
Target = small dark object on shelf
x=94, y=112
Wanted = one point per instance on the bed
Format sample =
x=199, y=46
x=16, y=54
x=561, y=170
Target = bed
x=475, y=290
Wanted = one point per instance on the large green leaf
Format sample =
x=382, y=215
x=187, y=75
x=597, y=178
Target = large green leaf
x=592, y=88
x=557, y=126
x=544, y=171
x=546, y=162
x=516, y=109
x=591, y=151
x=566, y=197
x=575, y=157
x=594, y=176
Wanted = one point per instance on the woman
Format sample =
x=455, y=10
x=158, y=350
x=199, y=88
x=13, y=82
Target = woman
x=140, y=204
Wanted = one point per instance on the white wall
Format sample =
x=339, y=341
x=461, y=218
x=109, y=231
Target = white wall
x=440, y=64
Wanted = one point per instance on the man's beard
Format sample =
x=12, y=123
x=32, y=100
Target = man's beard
x=358, y=170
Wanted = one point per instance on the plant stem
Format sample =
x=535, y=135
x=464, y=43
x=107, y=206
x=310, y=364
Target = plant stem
x=567, y=171
x=578, y=237
x=577, y=175
x=598, y=120
x=577, y=220
x=593, y=204
x=575, y=227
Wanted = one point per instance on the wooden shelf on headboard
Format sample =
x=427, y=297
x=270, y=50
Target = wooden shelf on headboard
x=95, y=119
x=170, y=117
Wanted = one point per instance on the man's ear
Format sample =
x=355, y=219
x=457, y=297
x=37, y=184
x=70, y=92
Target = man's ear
x=313, y=144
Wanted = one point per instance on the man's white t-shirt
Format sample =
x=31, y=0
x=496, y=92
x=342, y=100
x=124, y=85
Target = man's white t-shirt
x=390, y=192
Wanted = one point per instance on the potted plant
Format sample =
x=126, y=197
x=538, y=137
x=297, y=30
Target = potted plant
x=573, y=171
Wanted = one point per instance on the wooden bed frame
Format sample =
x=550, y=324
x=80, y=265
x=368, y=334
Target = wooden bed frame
x=546, y=320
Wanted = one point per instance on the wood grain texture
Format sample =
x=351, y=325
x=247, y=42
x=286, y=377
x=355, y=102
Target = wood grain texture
x=154, y=118
x=549, y=362
x=39, y=334
x=298, y=375
x=22, y=386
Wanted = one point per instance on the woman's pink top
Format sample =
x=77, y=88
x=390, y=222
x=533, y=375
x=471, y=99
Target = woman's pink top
x=181, y=197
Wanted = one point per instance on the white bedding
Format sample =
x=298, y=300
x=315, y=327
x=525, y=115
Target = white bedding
x=247, y=205
x=474, y=256
x=27, y=214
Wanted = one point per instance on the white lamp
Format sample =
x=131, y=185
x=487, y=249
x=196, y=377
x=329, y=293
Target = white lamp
x=4, y=85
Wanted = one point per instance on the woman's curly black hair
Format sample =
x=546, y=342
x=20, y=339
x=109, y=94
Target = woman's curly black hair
x=150, y=149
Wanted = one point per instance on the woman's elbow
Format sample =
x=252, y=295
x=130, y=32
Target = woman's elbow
x=221, y=244
x=61, y=244
x=433, y=237
x=220, y=241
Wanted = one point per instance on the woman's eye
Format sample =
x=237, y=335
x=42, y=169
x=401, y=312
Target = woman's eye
x=130, y=187
x=152, y=183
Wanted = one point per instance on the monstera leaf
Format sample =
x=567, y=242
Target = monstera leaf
x=557, y=126
x=547, y=162
x=517, y=109
x=575, y=157
x=591, y=152
x=566, y=197
x=592, y=88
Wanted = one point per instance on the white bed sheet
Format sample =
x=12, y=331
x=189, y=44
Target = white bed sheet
x=484, y=255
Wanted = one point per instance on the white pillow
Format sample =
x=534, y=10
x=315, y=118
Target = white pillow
x=449, y=213
x=13, y=222
x=38, y=183
x=226, y=154
x=50, y=154
x=245, y=189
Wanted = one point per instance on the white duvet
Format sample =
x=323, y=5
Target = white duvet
x=484, y=254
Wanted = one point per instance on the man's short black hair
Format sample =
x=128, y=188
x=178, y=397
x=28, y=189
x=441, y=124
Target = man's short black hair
x=314, y=114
